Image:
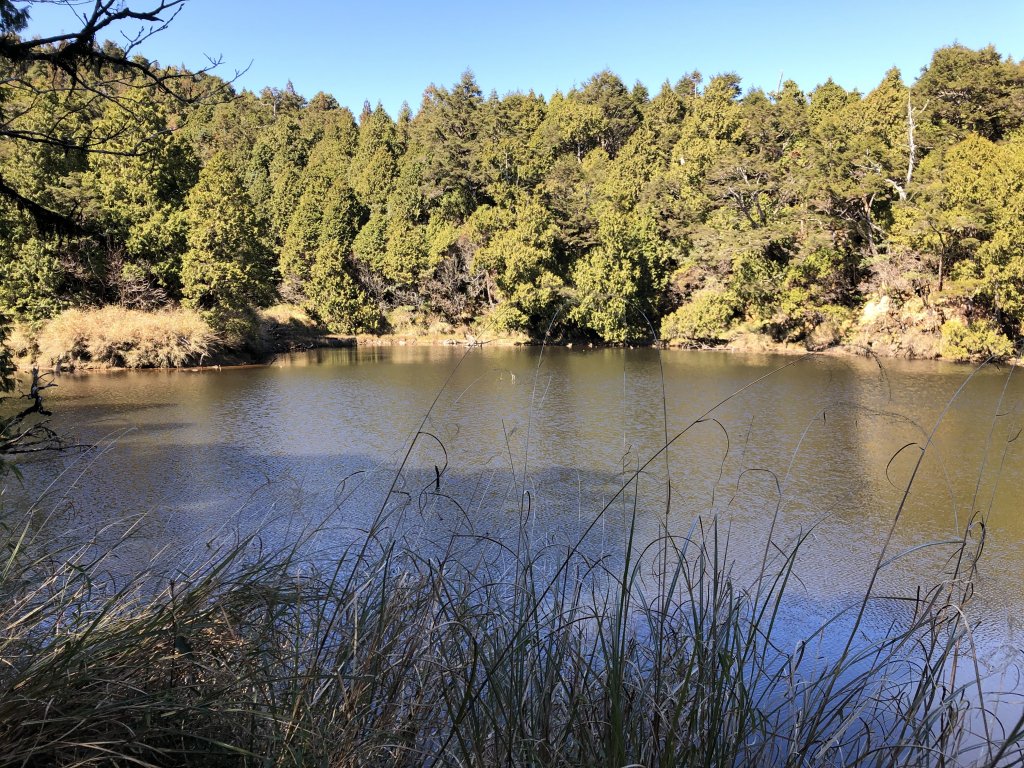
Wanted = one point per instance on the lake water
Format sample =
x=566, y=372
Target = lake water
x=519, y=441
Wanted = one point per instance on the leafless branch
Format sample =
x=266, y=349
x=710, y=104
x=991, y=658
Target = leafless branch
x=26, y=431
x=68, y=78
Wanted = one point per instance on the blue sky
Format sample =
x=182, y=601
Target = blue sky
x=390, y=50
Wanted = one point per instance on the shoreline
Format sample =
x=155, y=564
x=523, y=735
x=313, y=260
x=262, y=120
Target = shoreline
x=750, y=344
x=113, y=338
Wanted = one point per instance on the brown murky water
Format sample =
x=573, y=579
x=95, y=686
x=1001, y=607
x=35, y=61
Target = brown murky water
x=540, y=443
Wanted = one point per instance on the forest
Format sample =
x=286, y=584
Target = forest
x=692, y=214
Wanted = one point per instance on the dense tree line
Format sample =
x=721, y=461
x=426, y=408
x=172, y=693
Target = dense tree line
x=605, y=213
x=68, y=105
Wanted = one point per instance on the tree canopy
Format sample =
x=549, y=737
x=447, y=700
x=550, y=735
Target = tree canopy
x=92, y=179
x=603, y=212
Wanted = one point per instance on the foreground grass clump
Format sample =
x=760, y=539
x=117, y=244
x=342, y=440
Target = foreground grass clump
x=388, y=657
x=114, y=336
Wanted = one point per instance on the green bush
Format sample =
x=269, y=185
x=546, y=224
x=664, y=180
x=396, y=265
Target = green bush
x=977, y=340
x=507, y=317
x=705, y=319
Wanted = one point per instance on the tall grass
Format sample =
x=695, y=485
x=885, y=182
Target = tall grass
x=114, y=336
x=521, y=655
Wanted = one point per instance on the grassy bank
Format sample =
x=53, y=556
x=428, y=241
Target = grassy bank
x=115, y=337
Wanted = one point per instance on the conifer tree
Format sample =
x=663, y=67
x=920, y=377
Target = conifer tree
x=226, y=271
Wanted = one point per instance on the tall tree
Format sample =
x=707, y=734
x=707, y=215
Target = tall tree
x=966, y=91
x=226, y=271
x=444, y=141
x=618, y=110
x=135, y=200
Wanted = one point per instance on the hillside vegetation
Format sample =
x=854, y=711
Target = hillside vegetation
x=693, y=214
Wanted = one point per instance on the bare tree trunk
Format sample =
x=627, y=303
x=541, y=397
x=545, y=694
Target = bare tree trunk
x=911, y=147
x=869, y=228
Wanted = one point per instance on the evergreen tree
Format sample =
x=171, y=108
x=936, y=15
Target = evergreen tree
x=136, y=195
x=703, y=207
x=374, y=166
x=226, y=271
x=966, y=91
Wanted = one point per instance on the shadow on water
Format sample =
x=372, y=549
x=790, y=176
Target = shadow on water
x=614, y=460
x=823, y=441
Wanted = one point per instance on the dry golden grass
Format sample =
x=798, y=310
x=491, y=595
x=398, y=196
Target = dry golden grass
x=126, y=338
x=284, y=314
x=22, y=341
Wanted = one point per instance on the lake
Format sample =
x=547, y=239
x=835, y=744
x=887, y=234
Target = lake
x=545, y=447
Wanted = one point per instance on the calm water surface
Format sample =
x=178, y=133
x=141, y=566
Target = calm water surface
x=824, y=444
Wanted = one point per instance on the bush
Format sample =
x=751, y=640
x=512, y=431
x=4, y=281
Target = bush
x=823, y=327
x=977, y=340
x=705, y=319
x=507, y=317
x=404, y=320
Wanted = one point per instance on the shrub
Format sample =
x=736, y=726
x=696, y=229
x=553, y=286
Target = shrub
x=825, y=326
x=705, y=319
x=976, y=340
x=507, y=317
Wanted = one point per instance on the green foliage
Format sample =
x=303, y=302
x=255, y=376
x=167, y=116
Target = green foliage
x=969, y=91
x=606, y=201
x=614, y=108
x=512, y=152
x=609, y=296
x=136, y=194
x=336, y=298
x=374, y=166
x=226, y=270
x=516, y=257
x=327, y=215
x=967, y=223
x=32, y=278
x=976, y=340
x=808, y=305
x=704, y=319
x=756, y=281
x=444, y=144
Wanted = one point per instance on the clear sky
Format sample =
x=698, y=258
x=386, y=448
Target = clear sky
x=390, y=50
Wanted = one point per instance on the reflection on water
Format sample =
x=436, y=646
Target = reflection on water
x=824, y=446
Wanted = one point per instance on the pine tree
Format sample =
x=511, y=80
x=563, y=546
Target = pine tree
x=226, y=271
